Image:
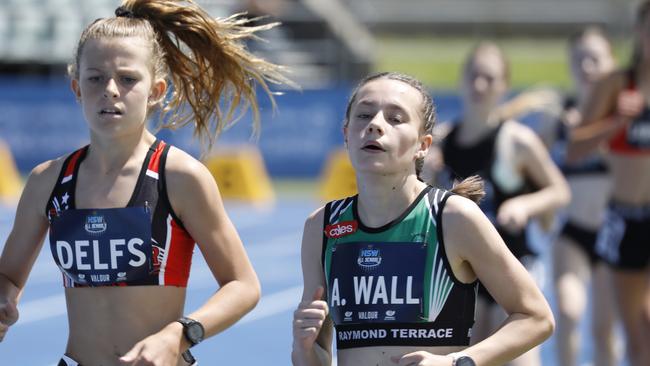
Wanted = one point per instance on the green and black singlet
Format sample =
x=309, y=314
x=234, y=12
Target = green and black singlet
x=393, y=285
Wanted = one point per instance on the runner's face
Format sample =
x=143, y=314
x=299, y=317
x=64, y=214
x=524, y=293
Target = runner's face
x=591, y=58
x=484, y=80
x=384, y=131
x=115, y=85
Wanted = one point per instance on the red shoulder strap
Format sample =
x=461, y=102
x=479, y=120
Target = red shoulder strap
x=154, y=162
x=72, y=164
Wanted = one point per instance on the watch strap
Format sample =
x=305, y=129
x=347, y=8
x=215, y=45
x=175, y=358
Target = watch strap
x=187, y=322
x=188, y=357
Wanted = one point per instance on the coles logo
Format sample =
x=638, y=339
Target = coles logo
x=340, y=229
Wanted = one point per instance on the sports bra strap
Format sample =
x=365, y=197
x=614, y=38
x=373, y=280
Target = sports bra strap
x=331, y=215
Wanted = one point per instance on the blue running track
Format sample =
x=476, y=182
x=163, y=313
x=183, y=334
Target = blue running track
x=272, y=238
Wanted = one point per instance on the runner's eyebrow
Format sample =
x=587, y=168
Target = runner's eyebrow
x=389, y=105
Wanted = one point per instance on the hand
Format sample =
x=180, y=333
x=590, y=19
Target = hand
x=422, y=358
x=308, y=320
x=629, y=104
x=8, y=316
x=512, y=215
x=160, y=349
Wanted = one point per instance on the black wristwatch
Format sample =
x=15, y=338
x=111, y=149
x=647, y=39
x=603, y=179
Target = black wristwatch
x=461, y=359
x=192, y=330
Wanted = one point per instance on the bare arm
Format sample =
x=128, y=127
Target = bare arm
x=540, y=167
x=533, y=158
x=548, y=129
x=195, y=198
x=477, y=242
x=605, y=111
x=25, y=241
x=312, y=327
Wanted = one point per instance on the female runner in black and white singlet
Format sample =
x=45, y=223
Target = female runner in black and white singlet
x=522, y=182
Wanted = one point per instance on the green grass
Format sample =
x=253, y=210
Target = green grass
x=304, y=188
x=437, y=61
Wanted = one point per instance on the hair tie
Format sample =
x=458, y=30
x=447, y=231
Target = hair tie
x=124, y=12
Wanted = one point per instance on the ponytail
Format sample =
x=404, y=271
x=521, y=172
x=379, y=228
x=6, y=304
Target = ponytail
x=471, y=188
x=212, y=76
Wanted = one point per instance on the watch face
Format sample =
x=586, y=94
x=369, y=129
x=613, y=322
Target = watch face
x=195, y=332
x=465, y=361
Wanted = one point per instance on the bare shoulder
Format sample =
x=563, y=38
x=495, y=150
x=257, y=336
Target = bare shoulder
x=524, y=138
x=459, y=211
x=464, y=224
x=519, y=133
x=191, y=189
x=182, y=167
x=39, y=186
x=189, y=178
x=312, y=242
x=469, y=235
x=314, y=224
x=43, y=177
x=50, y=168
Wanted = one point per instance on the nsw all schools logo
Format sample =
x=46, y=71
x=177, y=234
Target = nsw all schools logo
x=369, y=257
x=95, y=224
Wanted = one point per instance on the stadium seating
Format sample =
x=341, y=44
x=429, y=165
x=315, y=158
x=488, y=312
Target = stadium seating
x=314, y=42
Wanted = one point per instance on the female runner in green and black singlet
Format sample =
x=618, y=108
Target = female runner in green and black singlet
x=393, y=271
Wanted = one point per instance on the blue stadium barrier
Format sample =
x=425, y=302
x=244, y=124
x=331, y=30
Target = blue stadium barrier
x=41, y=120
